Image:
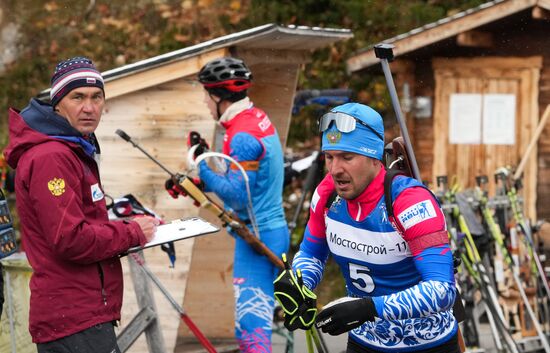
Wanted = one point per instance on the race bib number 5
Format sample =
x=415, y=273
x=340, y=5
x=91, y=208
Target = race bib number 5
x=361, y=278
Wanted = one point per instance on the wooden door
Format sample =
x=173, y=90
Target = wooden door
x=518, y=76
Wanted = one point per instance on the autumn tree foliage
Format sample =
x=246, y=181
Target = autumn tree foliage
x=119, y=32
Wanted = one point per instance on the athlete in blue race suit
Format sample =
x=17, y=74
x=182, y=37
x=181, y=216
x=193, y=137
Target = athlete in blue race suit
x=253, y=142
x=398, y=271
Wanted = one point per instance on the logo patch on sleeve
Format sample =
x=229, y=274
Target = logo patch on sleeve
x=97, y=194
x=264, y=124
x=56, y=186
x=417, y=213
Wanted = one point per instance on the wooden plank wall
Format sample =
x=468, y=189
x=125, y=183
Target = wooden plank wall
x=519, y=76
x=158, y=118
x=209, y=299
x=423, y=132
x=274, y=91
x=529, y=41
x=543, y=160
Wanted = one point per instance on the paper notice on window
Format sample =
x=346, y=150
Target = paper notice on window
x=178, y=230
x=499, y=119
x=465, y=119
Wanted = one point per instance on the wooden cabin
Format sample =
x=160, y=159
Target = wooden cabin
x=473, y=87
x=157, y=102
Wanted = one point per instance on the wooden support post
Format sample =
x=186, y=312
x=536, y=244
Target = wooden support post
x=135, y=328
x=147, y=319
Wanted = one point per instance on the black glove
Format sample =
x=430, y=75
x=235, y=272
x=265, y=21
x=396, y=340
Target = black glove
x=194, y=138
x=297, y=301
x=345, y=314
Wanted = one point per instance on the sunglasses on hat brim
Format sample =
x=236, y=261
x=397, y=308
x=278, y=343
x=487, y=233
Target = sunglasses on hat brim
x=344, y=123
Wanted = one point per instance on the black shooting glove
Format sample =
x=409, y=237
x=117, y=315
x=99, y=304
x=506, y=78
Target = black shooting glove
x=345, y=314
x=297, y=301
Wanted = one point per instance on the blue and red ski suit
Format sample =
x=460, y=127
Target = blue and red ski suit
x=252, y=140
x=404, y=264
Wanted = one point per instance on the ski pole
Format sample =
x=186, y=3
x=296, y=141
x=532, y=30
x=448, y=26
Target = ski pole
x=311, y=333
x=384, y=52
x=494, y=229
x=185, y=184
x=473, y=264
x=318, y=340
x=183, y=315
x=511, y=192
x=309, y=342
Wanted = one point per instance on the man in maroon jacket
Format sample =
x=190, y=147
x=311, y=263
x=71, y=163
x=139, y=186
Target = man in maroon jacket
x=76, y=286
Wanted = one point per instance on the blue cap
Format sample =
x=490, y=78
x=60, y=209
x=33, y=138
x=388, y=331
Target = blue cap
x=362, y=140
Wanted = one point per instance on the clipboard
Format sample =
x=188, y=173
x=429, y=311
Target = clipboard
x=179, y=229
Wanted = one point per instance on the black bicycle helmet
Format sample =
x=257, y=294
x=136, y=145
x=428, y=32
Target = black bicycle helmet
x=227, y=73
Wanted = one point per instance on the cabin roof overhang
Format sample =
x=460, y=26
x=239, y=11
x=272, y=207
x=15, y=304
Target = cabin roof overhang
x=269, y=37
x=445, y=28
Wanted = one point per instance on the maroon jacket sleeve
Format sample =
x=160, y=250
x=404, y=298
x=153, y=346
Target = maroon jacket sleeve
x=76, y=226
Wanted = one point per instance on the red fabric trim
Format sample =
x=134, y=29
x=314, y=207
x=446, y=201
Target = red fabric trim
x=425, y=241
x=236, y=85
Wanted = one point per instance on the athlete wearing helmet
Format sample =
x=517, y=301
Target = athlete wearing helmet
x=252, y=140
x=398, y=270
x=226, y=81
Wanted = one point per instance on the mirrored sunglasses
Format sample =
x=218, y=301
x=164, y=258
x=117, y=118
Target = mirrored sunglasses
x=344, y=123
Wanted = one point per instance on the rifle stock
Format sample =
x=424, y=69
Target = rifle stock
x=186, y=185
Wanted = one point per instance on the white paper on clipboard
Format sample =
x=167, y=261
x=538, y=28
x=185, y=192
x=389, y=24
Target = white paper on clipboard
x=180, y=229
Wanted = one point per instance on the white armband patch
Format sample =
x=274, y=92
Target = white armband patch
x=97, y=193
x=417, y=213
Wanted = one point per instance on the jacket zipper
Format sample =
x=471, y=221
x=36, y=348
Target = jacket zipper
x=103, y=294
